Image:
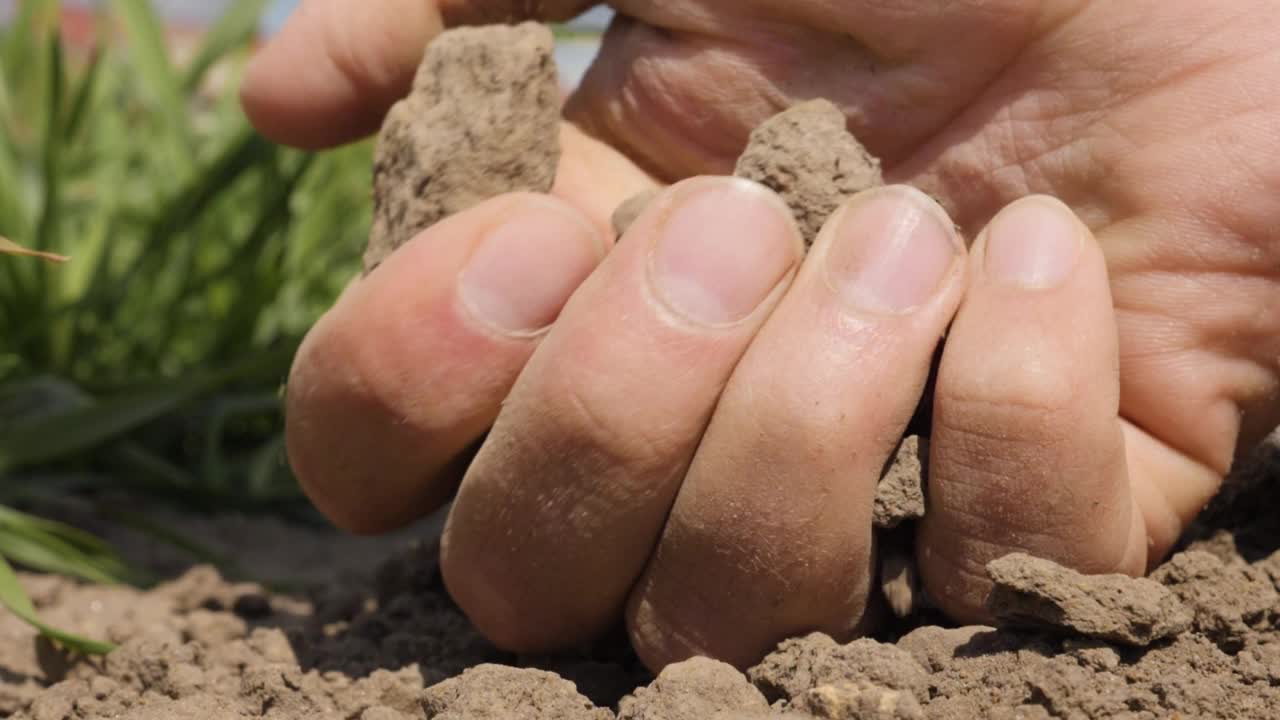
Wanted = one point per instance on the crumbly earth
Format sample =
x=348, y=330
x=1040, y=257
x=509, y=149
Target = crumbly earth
x=388, y=644
x=807, y=155
x=483, y=119
x=900, y=494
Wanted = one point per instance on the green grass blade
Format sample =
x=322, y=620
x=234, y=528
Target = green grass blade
x=151, y=61
x=83, y=95
x=240, y=155
x=53, y=547
x=34, y=20
x=51, y=437
x=75, y=537
x=71, y=432
x=15, y=598
x=237, y=26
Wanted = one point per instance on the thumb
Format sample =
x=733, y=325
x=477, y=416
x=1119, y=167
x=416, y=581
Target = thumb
x=335, y=68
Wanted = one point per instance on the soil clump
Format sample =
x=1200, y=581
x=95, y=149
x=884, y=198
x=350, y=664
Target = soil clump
x=482, y=119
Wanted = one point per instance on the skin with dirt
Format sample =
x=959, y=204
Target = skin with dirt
x=1199, y=638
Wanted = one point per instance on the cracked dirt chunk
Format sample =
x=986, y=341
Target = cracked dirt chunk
x=858, y=701
x=936, y=648
x=1040, y=593
x=815, y=660
x=482, y=119
x=807, y=155
x=507, y=693
x=900, y=494
x=692, y=690
x=1227, y=601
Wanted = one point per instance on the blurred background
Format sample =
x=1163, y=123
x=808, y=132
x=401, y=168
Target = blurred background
x=146, y=370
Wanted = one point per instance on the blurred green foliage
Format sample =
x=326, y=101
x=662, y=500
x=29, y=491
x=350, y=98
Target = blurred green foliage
x=199, y=255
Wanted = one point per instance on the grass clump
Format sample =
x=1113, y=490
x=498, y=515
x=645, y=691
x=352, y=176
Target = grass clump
x=196, y=255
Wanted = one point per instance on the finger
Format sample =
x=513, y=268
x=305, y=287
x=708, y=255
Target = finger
x=1028, y=452
x=334, y=69
x=770, y=535
x=563, y=504
x=410, y=366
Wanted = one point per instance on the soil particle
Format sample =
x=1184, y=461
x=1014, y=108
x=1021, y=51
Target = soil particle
x=858, y=701
x=1040, y=593
x=1227, y=601
x=900, y=494
x=936, y=648
x=800, y=664
x=506, y=693
x=807, y=155
x=693, y=690
x=482, y=119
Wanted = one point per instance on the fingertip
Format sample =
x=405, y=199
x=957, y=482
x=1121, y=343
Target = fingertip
x=1027, y=453
x=330, y=74
x=397, y=381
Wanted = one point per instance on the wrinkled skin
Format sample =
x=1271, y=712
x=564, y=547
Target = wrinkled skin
x=705, y=466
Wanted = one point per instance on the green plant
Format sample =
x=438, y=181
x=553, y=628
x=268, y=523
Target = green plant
x=199, y=253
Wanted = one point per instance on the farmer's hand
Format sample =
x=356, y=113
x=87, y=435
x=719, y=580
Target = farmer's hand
x=698, y=436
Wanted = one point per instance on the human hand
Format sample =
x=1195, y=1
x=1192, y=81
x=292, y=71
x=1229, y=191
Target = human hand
x=1087, y=421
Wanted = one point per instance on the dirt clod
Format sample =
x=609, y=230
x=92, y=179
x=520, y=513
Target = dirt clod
x=900, y=494
x=692, y=690
x=1227, y=601
x=858, y=701
x=807, y=155
x=482, y=119
x=1040, y=593
x=815, y=660
x=502, y=693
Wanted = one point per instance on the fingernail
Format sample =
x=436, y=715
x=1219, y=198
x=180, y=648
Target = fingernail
x=522, y=273
x=891, y=251
x=1033, y=244
x=722, y=249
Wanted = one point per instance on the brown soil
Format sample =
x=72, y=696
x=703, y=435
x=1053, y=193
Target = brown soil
x=805, y=154
x=483, y=119
x=1200, y=639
